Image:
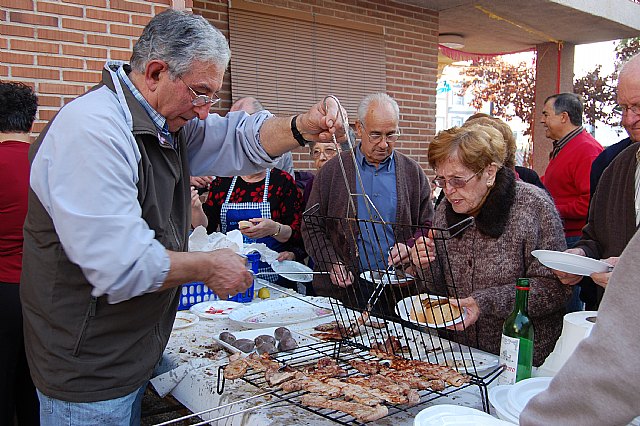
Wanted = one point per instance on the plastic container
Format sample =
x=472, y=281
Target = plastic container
x=197, y=292
x=253, y=260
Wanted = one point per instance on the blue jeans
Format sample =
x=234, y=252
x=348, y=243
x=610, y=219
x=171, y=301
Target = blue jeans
x=121, y=411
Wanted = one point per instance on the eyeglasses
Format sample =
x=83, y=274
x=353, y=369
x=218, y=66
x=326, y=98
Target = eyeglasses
x=376, y=137
x=455, y=182
x=328, y=152
x=624, y=109
x=199, y=99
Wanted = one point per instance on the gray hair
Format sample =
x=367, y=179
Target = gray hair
x=381, y=98
x=569, y=103
x=180, y=39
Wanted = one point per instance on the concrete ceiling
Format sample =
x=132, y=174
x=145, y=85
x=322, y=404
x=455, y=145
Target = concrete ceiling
x=515, y=25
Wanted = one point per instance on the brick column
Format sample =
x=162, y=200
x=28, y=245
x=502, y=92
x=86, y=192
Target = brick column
x=547, y=84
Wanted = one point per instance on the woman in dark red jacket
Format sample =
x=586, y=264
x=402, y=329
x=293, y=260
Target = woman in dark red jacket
x=18, y=105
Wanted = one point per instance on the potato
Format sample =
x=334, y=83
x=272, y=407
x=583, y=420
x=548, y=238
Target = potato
x=287, y=344
x=227, y=337
x=281, y=332
x=245, y=345
x=264, y=338
x=269, y=348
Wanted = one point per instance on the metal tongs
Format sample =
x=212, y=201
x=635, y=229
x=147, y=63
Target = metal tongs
x=288, y=292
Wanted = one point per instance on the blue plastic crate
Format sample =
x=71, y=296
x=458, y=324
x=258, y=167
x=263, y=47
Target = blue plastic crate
x=197, y=292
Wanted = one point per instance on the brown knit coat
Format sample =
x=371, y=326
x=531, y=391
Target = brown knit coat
x=488, y=257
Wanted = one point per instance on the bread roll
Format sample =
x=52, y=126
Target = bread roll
x=244, y=224
x=435, y=312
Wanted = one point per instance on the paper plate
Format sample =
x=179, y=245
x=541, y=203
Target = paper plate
x=521, y=392
x=404, y=307
x=215, y=308
x=279, y=312
x=184, y=319
x=293, y=271
x=387, y=277
x=454, y=415
x=570, y=263
x=498, y=398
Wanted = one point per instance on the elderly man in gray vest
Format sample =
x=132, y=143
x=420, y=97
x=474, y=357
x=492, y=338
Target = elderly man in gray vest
x=106, y=231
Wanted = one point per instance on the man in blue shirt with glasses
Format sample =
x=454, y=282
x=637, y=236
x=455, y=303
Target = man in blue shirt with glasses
x=388, y=193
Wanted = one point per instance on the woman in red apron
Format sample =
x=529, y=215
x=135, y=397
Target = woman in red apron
x=271, y=202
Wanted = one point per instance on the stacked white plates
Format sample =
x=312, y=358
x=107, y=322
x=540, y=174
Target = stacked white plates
x=455, y=415
x=510, y=400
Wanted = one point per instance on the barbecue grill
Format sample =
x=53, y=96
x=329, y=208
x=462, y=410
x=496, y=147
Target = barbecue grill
x=376, y=319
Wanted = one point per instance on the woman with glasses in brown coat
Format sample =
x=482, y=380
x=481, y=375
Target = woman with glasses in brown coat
x=511, y=219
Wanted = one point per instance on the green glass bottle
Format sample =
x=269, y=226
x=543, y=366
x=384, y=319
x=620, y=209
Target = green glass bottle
x=516, y=348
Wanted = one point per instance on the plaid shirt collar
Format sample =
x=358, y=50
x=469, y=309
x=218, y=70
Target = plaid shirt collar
x=559, y=144
x=158, y=120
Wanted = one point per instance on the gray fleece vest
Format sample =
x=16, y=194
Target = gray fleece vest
x=81, y=348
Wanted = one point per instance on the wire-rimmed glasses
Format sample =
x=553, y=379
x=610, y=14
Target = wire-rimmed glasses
x=328, y=152
x=624, y=109
x=200, y=99
x=376, y=137
x=454, y=182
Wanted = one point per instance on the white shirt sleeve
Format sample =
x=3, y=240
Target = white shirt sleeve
x=227, y=146
x=85, y=176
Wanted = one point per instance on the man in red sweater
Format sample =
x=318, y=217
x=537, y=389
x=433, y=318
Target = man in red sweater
x=574, y=149
x=567, y=175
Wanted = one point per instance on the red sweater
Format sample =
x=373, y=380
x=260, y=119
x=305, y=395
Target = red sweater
x=14, y=175
x=567, y=179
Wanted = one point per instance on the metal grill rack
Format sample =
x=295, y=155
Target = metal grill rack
x=352, y=251
x=378, y=318
x=342, y=352
x=400, y=293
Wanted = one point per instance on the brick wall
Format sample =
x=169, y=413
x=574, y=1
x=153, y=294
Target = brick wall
x=411, y=35
x=60, y=47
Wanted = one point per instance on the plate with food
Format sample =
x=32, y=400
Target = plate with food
x=184, y=319
x=280, y=312
x=571, y=263
x=215, y=308
x=430, y=311
x=270, y=340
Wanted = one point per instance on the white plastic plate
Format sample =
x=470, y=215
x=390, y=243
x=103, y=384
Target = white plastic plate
x=215, y=309
x=570, y=263
x=498, y=398
x=454, y=415
x=521, y=392
x=279, y=312
x=387, y=277
x=184, y=319
x=293, y=271
x=404, y=307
